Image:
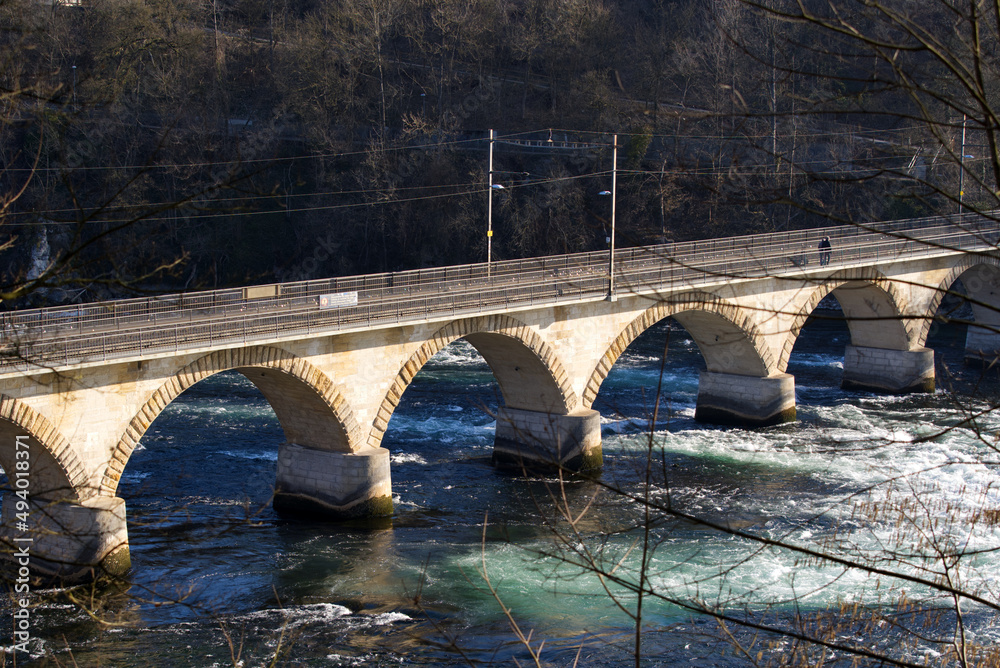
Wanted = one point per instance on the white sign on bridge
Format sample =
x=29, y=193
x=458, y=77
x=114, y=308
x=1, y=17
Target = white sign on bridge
x=338, y=300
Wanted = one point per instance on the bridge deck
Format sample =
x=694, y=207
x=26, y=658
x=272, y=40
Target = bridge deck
x=67, y=336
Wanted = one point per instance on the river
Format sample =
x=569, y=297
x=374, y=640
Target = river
x=219, y=579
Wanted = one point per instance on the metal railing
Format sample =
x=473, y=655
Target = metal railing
x=68, y=335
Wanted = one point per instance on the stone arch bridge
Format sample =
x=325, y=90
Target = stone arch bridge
x=80, y=385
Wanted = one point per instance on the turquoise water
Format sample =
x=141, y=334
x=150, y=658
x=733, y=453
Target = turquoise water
x=219, y=579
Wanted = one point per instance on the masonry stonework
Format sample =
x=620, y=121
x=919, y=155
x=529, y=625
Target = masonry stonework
x=538, y=440
x=334, y=485
x=894, y=371
x=70, y=541
x=725, y=398
x=334, y=393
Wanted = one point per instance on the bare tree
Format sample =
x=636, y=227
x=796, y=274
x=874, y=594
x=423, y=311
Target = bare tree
x=907, y=92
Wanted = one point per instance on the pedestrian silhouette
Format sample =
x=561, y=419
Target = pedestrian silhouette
x=824, y=251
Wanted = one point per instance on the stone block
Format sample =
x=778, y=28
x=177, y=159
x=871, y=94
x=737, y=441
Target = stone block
x=890, y=371
x=536, y=440
x=68, y=541
x=745, y=401
x=982, y=345
x=333, y=485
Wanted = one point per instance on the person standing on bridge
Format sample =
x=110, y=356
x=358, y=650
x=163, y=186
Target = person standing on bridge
x=824, y=251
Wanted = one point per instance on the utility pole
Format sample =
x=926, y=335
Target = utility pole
x=961, y=166
x=489, y=212
x=614, y=186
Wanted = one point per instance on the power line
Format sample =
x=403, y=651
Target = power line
x=471, y=189
x=507, y=138
x=271, y=160
x=387, y=200
x=385, y=195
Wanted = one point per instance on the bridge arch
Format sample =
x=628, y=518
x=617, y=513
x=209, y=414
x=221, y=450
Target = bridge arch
x=57, y=472
x=312, y=411
x=729, y=340
x=873, y=307
x=980, y=275
x=526, y=367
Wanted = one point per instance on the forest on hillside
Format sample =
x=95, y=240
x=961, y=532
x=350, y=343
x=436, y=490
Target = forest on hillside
x=151, y=145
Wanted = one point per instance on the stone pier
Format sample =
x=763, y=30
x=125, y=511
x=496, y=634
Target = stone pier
x=334, y=485
x=982, y=345
x=532, y=439
x=982, y=341
x=64, y=540
x=892, y=371
x=746, y=401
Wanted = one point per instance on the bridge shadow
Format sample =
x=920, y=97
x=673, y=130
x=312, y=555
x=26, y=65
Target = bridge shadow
x=956, y=371
x=817, y=358
x=440, y=436
x=628, y=395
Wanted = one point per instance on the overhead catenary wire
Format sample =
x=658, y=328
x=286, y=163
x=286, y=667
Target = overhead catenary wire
x=268, y=160
x=383, y=195
x=478, y=189
x=47, y=217
x=799, y=134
